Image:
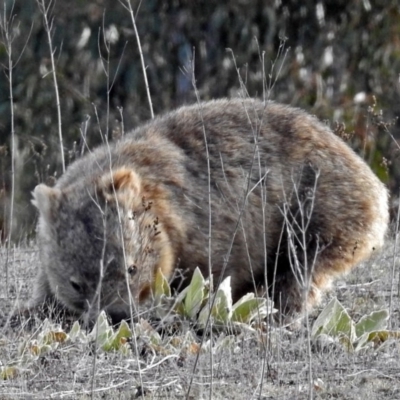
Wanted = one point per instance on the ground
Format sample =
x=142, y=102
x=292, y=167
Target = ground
x=282, y=366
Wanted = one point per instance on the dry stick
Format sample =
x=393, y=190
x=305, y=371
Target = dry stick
x=264, y=194
x=305, y=221
x=83, y=129
x=10, y=82
x=210, y=302
x=7, y=37
x=261, y=55
x=266, y=97
x=98, y=290
x=264, y=78
x=106, y=69
x=256, y=133
x=385, y=128
x=280, y=51
x=396, y=235
x=106, y=141
x=132, y=303
x=262, y=180
x=129, y=8
x=106, y=72
x=49, y=28
x=237, y=226
x=6, y=25
x=121, y=113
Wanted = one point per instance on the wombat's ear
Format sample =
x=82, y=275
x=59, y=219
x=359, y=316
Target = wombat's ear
x=118, y=182
x=46, y=200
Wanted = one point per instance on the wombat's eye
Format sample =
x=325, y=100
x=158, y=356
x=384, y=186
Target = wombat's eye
x=132, y=270
x=75, y=285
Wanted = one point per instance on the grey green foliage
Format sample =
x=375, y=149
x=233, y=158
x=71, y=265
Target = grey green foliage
x=197, y=304
x=335, y=323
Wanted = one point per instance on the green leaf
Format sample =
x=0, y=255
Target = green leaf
x=375, y=321
x=248, y=308
x=195, y=294
x=119, y=339
x=179, y=301
x=161, y=287
x=335, y=321
x=203, y=315
x=222, y=309
x=53, y=337
x=7, y=373
x=179, y=308
x=102, y=331
x=44, y=349
x=380, y=337
x=76, y=333
x=124, y=330
x=376, y=338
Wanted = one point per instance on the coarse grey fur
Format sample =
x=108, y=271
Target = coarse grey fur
x=292, y=207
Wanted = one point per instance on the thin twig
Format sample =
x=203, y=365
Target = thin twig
x=6, y=26
x=212, y=298
x=48, y=27
x=396, y=236
x=105, y=63
x=132, y=304
x=128, y=7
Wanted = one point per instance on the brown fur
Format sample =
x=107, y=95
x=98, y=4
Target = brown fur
x=292, y=207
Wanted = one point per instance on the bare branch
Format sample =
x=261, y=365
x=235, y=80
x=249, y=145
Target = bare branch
x=127, y=5
x=49, y=30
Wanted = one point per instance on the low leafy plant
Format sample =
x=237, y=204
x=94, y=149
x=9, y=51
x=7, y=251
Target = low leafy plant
x=195, y=303
x=334, y=324
x=46, y=341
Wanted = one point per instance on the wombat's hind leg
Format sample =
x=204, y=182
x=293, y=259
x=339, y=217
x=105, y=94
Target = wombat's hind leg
x=288, y=289
x=290, y=277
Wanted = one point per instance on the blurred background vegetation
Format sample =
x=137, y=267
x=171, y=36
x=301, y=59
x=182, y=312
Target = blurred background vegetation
x=340, y=60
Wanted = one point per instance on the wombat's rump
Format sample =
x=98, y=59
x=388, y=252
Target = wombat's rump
x=292, y=206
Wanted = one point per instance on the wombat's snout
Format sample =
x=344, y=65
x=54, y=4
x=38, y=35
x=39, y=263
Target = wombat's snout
x=90, y=318
x=115, y=314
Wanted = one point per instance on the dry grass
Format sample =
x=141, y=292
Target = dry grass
x=67, y=371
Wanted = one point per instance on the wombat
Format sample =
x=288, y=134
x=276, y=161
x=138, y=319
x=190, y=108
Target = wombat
x=292, y=207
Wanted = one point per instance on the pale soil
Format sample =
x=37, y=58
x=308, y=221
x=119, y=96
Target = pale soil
x=237, y=371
